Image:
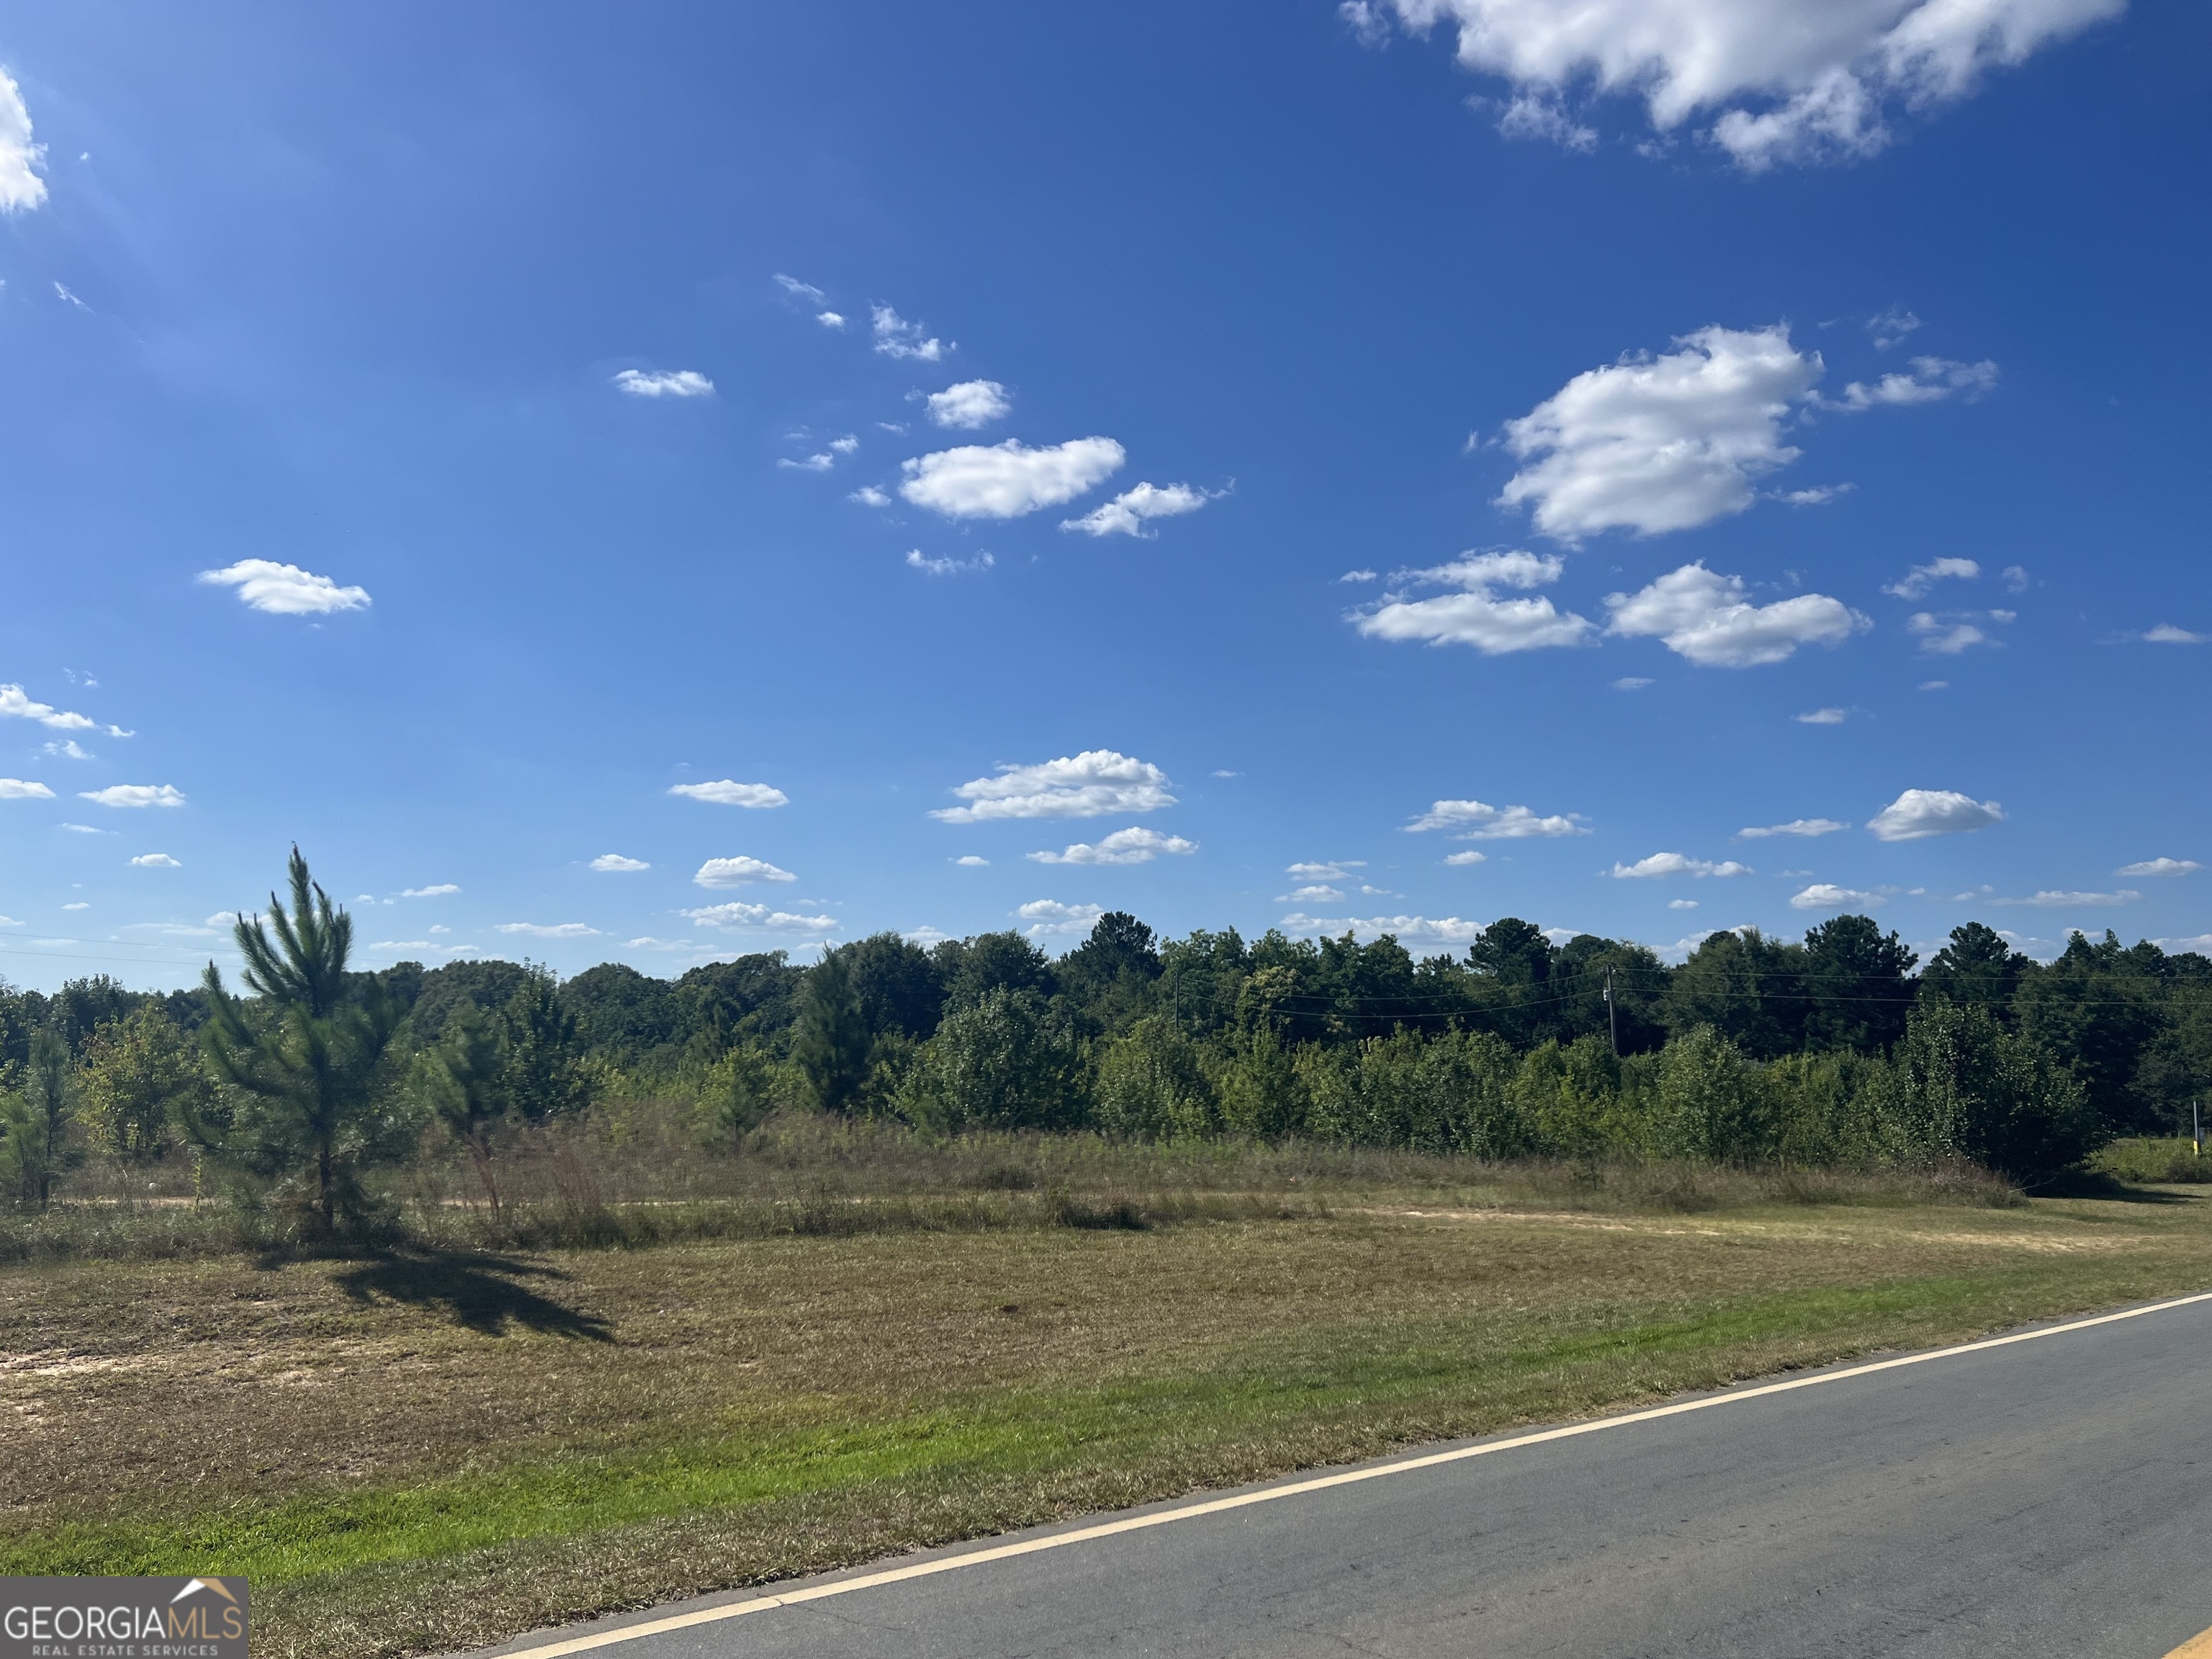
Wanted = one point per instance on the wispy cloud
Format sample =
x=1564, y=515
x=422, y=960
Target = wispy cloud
x=1130, y=513
x=897, y=337
x=1795, y=827
x=929, y=566
x=1915, y=583
x=2159, y=867
x=664, y=383
x=542, y=930
x=133, y=795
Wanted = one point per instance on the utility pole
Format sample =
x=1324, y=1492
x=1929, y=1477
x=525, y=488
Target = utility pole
x=1611, y=1019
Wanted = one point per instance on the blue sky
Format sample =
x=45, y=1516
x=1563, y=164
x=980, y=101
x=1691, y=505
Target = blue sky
x=482, y=358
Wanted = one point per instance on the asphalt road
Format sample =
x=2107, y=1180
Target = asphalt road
x=2049, y=1497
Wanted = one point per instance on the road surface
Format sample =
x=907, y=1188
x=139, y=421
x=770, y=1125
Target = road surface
x=2050, y=1496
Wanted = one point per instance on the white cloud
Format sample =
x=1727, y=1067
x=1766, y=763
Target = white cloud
x=968, y=405
x=1933, y=685
x=869, y=495
x=1632, y=683
x=817, y=463
x=1477, y=820
x=981, y=561
x=1317, y=893
x=1822, y=717
x=134, y=795
x=14, y=704
x=541, y=930
x=77, y=829
x=2051, y=899
x=20, y=187
x=846, y=444
x=800, y=290
x=1365, y=20
x=1681, y=904
x=1325, y=870
x=285, y=590
x=2159, y=867
x=1085, y=786
x=1949, y=634
x=1915, y=583
x=613, y=861
x=1047, y=917
x=1891, y=326
x=1815, y=494
x=2167, y=634
x=1705, y=617
x=1919, y=813
x=156, y=861
x=1474, y=616
x=1776, y=82
x=1135, y=845
x=1006, y=480
x=726, y=792
x=1357, y=576
x=66, y=749
x=665, y=383
x=1931, y=381
x=1224, y=772
x=2014, y=578
x=29, y=789
x=1128, y=513
x=1423, y=930
x=897, y=337
x=62, y=292
x=1795, y=827
x=737, y=871
x=758, y=917
x=1826, y=895
x=1676, y=864
x=437, y=890
x=830, y=318
x=1653, y=444
x=973, y=861
x=1542, y=117
x=1469, y=856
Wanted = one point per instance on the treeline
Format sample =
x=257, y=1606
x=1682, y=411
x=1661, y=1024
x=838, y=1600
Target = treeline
x=1831, y=1049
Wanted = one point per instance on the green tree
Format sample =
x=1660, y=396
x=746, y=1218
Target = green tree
x=1857, y=987
x=1748, y=987
x=1977, y=969
x=741, y=1092
x=543, y=1074
x=1151, y=1085
x=313, y=1057
x=834, y=1049
x=1009, y=1062
x=1971, y=1089
x=141, y=1074
x=35, y=1134
x=465, y=1081
x=1709, y=1103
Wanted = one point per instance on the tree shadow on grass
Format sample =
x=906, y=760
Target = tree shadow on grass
x=2095, y=1183
x=486, y=1293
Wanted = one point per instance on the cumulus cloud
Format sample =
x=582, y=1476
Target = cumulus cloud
x=156, y=861
x=2167, y=634
x=736, y=915
x=1424, y=930
x=1915, y=583
x=727, y=791
x=1822, y=717
x=1955, y=631
x=869, y=495
x=2159, y=867
x=969, y=405
x=2049, y=899
x=66, y=749
x=1706, y=618
x=1325, y=870
x=1681, y=904
x=897, y=337
x=15, y=705
x=547, y=930
x=1931, y=381
x=1135, y=845
x=929, y=566
x=1919, y=813
x=1781, y=82
x=737, y=871
x=1475, y=616
x=1128, y=513
x=1090, y=785
x=1826, y=895
x=1676, y=864
x=1795, y=827
x=1006, y=480
x=665, y=383
x=1319, y=892
x=1470, y=856
x=1653, y=444
x=1814, y=494
x=1357, y=576
x=20, y=187
x=29, y=789
x=973, y=861
x=285, y=590
x=134, y=795
x=1475, y=820
x=1047, y=917
x=611, y=861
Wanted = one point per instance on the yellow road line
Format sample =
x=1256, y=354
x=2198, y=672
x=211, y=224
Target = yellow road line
x=2200, y=1648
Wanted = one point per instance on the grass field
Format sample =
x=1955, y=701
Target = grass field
x=433, y=1448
